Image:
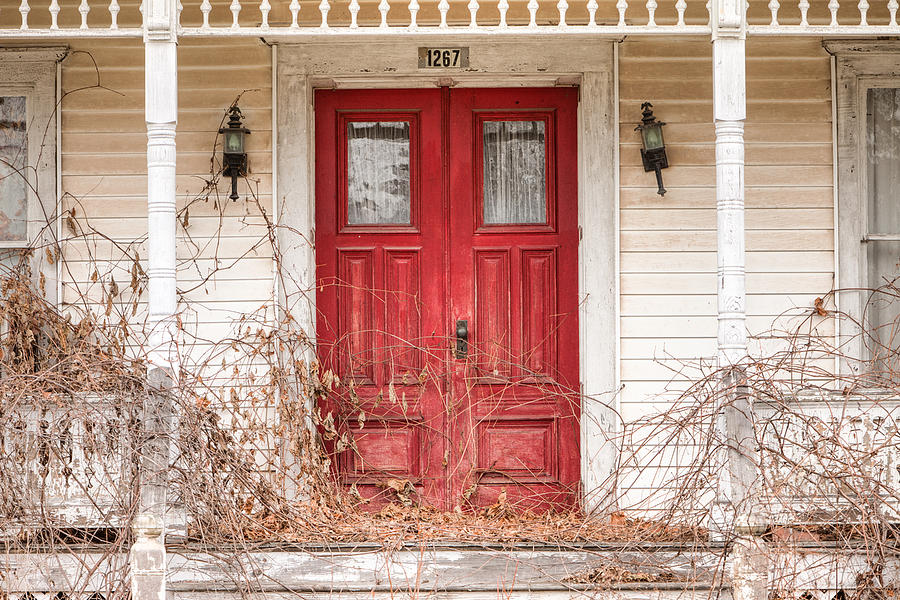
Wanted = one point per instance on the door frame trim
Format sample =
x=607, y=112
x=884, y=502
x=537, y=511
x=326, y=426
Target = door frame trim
x=300, y=69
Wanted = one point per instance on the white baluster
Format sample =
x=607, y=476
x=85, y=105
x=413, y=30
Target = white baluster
x=773, y=8
x=179, y=8
x=54, y=15
x=804, y=8
x=473, y=13
x=651, y=13
x=205, y=8
x=413, y=10
x=892, y=8
x=503, y=7
x=383, y=8
x=833, y=6
x=532, y=11
x=24, y=9
x=295, y=12
x=264, y=9
x=863, y=7
x=235, y=14
x=84, y=9
x=324, y=7
x=354, y=10
x=443, y=8
x=680, y=7
x=562, y=6
x=114, y=14
x=622, y=6
x=592, y=7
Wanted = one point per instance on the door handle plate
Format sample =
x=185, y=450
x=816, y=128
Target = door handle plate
x=462, y=339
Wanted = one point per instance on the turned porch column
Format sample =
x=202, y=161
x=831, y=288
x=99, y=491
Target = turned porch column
x=729, y=112
x=148, y=553
x=161, y=114
x=734, y=403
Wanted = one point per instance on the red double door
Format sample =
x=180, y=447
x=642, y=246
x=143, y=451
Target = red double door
x=446, y=245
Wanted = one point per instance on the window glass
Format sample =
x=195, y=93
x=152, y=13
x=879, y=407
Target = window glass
x=378, y=184
x=514, y=176
x=883, y=260
x=13, y=158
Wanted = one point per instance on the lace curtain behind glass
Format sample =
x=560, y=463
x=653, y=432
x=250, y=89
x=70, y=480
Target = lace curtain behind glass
x=378, y=173
x=514, y=172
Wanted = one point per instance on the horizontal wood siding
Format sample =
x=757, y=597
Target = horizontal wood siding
x=104, y=180
x=668, y=244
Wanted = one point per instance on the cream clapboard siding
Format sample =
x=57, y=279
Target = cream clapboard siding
x=104, y=178
x=668, y=244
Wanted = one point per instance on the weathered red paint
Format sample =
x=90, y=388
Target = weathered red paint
x=506, y=417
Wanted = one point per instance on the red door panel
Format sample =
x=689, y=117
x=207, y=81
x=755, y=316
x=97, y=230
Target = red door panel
x=435, y=207
x=513, y=272
x=380, y=298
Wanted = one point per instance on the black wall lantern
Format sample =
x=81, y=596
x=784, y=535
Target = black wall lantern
x=234, y=155
x=654, y=147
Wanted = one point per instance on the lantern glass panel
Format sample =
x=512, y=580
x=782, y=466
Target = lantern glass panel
x=652, y=137
x=234, y=142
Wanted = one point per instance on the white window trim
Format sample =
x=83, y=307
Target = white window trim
x=32, y=72
x=860, y=65
x=510, y=63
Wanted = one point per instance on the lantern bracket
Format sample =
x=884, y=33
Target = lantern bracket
x=234, y=154
x=654, y=158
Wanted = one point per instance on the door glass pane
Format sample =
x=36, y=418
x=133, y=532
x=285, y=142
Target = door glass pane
x=883, y=145
x=13, y=155
x=378, y=173
x=514, y=172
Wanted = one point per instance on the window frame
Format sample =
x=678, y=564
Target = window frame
x=858, y=66
x=32, y=72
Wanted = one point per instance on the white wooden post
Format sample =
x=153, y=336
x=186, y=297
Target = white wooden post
x=148, y=554
x=161, y=113
x=734, y=515
x=729, y=112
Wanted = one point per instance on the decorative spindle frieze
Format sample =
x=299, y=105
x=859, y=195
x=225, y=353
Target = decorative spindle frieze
x=473, y=13
x=24, y=9
x=592, y=7
x=804, y=8
x=54, y=15
x=264, y=9
x=324, y=8
x=235, y=14
x=503, y=7
x=384, y=7
x=863, y=7
x=532, y=12
x=443, y=8
x=83, y=10
x=205, y=9
x=622, y=6
x=354, y=12
x=651, y=13
x=680, y=7
x=295, y=13
x=413, y=11
x=892, y=9
x=833, y=7
x=774, y=5
x=562, y=6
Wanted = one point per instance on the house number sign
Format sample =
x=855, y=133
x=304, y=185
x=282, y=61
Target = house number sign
x=443, y=58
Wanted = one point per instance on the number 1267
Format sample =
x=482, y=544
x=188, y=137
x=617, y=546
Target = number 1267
x=442, y=57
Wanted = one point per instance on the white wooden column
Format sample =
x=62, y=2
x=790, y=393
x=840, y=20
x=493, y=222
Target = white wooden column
x=729, y=112
x=734, y=426
x=733, y=517
x=148, y=553
x=161, y=113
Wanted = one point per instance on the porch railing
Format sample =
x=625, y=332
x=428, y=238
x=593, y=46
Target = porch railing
x=229, y=18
